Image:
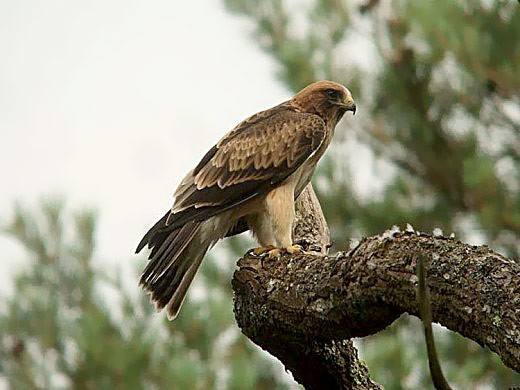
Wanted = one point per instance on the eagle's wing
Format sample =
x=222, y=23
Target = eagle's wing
x=254, y=157
x=259, y=153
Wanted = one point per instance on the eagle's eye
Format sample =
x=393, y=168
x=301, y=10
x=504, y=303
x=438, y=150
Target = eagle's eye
x=333, y=94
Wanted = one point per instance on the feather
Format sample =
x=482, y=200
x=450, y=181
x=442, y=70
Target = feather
x=148, y=236
x=169, y=263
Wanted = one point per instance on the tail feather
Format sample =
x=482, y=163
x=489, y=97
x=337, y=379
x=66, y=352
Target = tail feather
x=165, y=254
x=173, y=262
x=158, y=250
x=165, y=286
x=180, y=291
x=147, y=239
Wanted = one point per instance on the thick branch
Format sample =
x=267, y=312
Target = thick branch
x=317, y=300
x=315, y=363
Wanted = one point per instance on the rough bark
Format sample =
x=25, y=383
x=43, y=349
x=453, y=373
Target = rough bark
x=310, y=227
x=301, y=308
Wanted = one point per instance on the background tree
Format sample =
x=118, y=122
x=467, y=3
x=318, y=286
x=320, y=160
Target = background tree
x=71, y=322
x=438, y=93
x=438, y=90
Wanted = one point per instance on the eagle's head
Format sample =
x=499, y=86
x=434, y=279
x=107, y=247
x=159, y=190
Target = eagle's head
x=327, y=99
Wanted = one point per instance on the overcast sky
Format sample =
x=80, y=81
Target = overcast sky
x=109, y=103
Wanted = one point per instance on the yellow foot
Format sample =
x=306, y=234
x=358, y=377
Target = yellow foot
x=276, y=252
x=292, y=250
x=262, y=250
x=271, y=251
x=295, y=249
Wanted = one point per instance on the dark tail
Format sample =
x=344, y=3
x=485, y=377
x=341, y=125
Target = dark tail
x=156, y=233
x=174, y=260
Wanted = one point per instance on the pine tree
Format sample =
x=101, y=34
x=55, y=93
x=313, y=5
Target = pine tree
x=73, y=322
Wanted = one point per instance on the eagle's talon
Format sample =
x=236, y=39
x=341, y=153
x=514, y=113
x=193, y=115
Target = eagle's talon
x=295, y=249
x=270, y=251
x=261, y=251
x=265, y=253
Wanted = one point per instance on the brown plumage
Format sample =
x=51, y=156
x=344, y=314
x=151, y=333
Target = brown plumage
x=248, y=181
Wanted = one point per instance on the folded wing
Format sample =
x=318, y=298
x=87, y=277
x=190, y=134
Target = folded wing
x=253, y=158
x=259, y=153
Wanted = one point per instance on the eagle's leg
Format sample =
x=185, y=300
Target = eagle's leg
x=280, y=211
x=260, y=226
x=272, y=225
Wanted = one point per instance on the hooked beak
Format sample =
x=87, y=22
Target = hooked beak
x=349, y=105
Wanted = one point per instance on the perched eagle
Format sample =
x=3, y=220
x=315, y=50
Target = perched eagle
x=248, y=181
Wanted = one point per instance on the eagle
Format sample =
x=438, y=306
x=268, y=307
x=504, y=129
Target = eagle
x=248, y=181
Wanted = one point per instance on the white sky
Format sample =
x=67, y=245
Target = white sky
x=109, y=103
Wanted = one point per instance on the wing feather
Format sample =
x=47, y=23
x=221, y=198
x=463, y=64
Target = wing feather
x=249, y=161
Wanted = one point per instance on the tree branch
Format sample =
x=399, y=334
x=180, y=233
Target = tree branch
x=316, y=363
x=311, y=227
x=300, y=308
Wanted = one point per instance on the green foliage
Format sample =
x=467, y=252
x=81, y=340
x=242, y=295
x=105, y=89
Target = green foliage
x=438, y=91
x=72, y=323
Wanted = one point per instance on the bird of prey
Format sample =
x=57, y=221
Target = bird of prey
x=248, y=181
